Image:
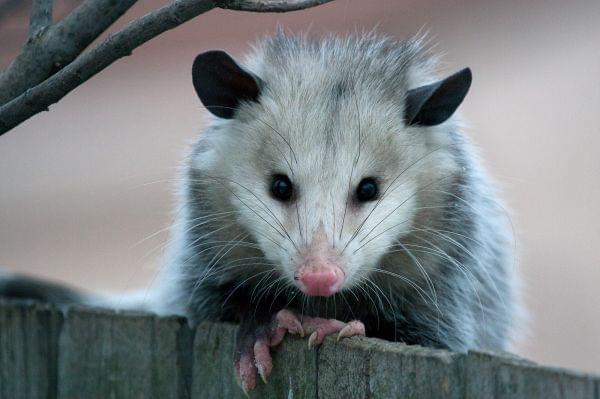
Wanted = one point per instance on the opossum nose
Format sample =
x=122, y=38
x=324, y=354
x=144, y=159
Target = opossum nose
x=321, y=283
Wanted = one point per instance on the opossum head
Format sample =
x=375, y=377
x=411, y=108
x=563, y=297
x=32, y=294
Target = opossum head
x=324, y=151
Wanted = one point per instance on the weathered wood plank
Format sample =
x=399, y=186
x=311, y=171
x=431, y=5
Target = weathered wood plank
x=294, y=371
x=361, y=367
x=294, y=366
x=524, y=381
x=212, y=373
x=481, y=372
x=101, y=354
x=28, y=350
x=506, y=376
x=107, y=355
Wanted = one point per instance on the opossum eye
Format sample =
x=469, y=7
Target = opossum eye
x=367, y=190
x=281, y=188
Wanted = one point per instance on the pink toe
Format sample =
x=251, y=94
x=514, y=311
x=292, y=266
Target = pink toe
x=324, y=326
x=288, y=320
x=320, y=328
x=262, y=359
x=246, y=371
x=352, y=329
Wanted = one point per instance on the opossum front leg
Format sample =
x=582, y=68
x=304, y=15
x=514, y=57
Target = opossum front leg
x=254, y=341
x=253, y=355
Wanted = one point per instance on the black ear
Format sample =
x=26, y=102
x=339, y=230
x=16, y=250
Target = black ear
x=222, y=84
x=432, y=104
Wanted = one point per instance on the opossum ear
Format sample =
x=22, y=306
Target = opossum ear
x=222, y=84
x=433, y=104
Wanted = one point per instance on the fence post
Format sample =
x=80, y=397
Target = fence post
x=92, y=353
x=28, y=350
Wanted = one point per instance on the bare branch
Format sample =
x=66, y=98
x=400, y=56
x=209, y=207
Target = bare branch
x=270, y=5
x=41, y=15
x=116, y=46
x=121, y=44
x=53, y=48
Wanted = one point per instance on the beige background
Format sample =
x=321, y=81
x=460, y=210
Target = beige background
x=82, y=185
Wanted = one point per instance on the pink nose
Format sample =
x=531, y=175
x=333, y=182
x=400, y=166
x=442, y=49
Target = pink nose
x=321, y=283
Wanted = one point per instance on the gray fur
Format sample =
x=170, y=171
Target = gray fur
x=431, y=265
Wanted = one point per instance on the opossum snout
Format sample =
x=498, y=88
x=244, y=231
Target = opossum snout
x=319, y=268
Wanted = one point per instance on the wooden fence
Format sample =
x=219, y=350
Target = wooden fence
x=90, y=353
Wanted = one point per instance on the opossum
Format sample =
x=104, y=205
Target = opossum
x=333, y=193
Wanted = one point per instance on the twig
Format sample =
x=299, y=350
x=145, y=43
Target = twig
x=270, y=5
x=120, y=44
x=41, y=15
x=51, y=49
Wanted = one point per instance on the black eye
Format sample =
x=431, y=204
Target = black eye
x=281, y=187
x=367, y=190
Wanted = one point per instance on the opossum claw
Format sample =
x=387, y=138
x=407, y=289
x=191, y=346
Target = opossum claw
x=312, y=340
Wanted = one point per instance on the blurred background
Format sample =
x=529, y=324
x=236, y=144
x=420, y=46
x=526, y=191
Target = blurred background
x=86, y=190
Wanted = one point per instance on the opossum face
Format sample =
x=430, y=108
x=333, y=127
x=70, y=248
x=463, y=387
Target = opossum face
x=327, y=195
x=325, y=174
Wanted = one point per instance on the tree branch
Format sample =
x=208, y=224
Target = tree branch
x=41, y=15
x=120, y=44
x=51, y=49
x=270, y=5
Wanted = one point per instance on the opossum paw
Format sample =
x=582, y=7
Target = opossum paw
x=253, y=356
x=320, y=328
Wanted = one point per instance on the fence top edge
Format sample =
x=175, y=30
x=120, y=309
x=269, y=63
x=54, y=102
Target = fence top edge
x=362, y=344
